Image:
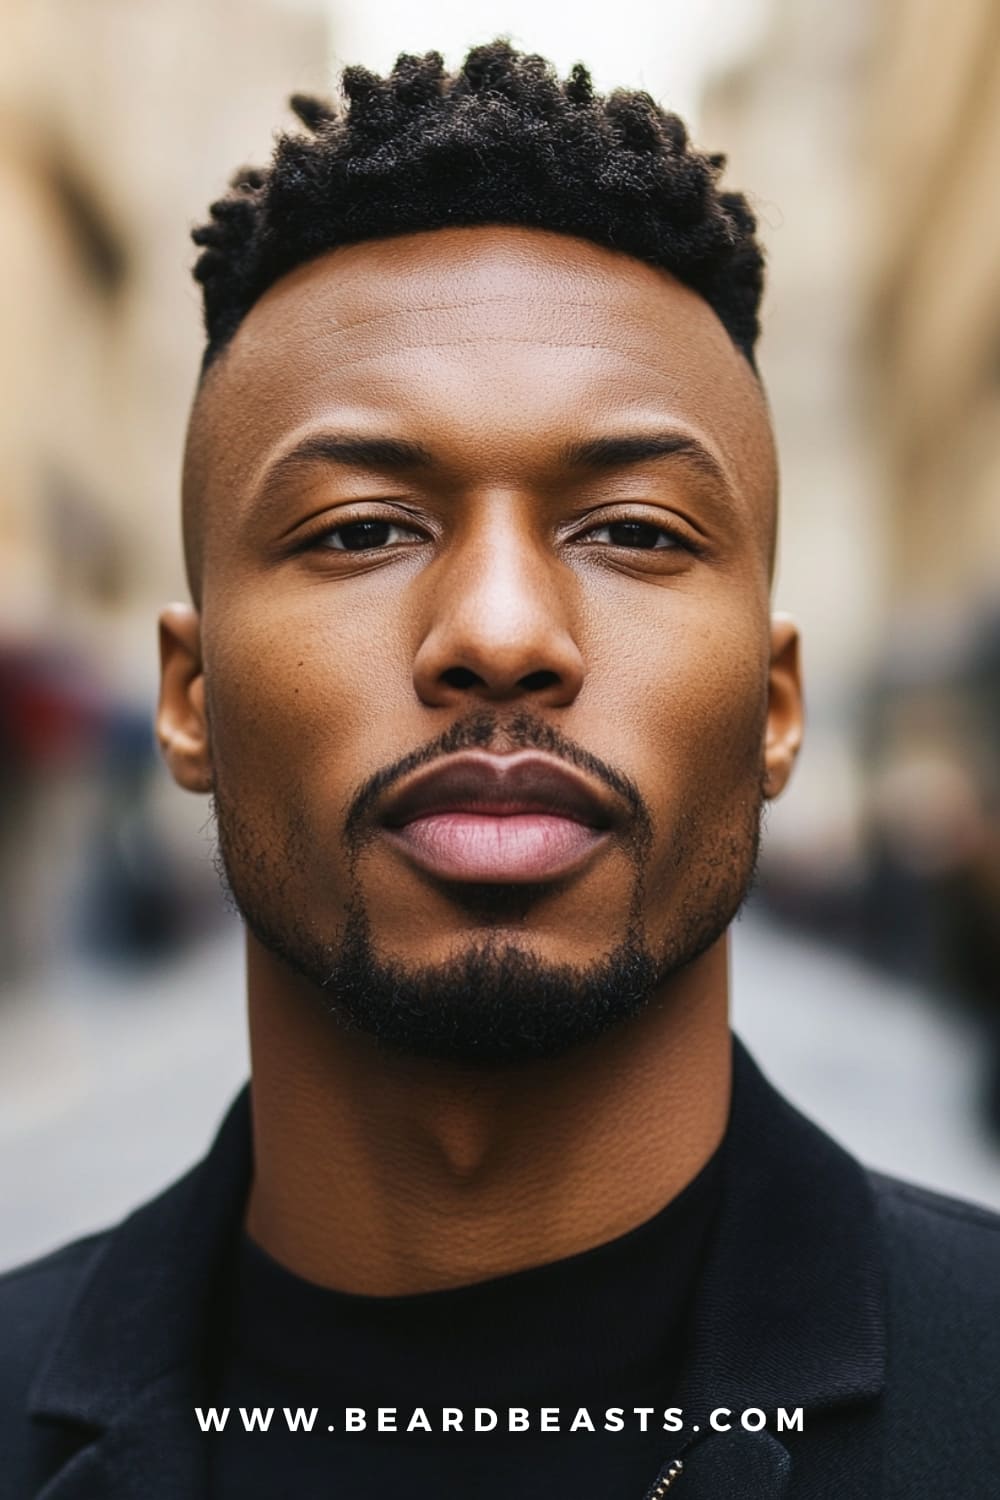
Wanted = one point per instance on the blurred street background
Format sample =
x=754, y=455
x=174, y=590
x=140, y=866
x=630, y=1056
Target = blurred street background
x=867, y=969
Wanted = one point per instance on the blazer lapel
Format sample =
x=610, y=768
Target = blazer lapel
x=128, y=1363
x=789, y=1311
x=733, y=1466
x=149, y=1452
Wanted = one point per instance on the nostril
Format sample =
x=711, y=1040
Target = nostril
x=535, y=681
x=461, y=677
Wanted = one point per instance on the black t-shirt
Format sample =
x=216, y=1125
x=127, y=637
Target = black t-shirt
x=599, y=1331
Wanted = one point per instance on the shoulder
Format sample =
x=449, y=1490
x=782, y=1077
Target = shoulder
x=26, y=1291
x=942, y=1268
x=34, y=1299
x=932, y=1239
x=942, y=1259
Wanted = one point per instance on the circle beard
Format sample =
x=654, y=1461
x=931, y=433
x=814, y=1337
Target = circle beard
x=493, y=1002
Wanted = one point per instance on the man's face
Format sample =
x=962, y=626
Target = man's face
x=481, y=522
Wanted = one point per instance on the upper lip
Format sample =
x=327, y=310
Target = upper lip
x=501, y=785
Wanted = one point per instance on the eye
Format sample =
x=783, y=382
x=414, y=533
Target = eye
x=640, y=534
x=366, y=536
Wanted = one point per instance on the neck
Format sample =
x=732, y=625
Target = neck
x=384, y=1175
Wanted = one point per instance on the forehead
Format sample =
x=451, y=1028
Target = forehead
x=497, y=337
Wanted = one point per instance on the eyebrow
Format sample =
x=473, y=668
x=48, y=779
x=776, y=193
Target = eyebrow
x=619, y=452
x=360, y=452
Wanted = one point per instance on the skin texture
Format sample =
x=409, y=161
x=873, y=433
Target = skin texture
x=501, y=598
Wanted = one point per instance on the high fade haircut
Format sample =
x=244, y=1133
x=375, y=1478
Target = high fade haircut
x=500, y=141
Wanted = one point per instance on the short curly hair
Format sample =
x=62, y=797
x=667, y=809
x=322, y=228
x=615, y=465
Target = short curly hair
x=500, y=141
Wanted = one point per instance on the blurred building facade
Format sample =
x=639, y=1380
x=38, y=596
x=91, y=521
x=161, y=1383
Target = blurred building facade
x=932, y=282
x=933, y=276
x=120, y=123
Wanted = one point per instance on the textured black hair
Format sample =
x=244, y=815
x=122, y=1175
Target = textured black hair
x=500, y=141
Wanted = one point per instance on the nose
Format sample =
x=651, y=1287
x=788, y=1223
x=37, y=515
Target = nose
x=501, y=625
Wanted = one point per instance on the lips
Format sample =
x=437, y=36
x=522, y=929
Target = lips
x=499, y=818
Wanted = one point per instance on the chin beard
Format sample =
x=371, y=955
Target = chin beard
x=492, y=1002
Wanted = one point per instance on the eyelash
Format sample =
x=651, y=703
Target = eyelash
x=676, y=540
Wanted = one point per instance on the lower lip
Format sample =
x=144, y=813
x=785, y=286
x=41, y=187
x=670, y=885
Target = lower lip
x=521, y=847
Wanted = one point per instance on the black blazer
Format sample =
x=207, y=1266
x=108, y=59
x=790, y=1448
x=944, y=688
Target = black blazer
x=873, y=1305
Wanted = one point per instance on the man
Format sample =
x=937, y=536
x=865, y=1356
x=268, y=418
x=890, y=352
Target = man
x=479, y=510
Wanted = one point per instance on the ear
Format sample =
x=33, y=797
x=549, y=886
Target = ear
x=181, y=726
x=784, y=706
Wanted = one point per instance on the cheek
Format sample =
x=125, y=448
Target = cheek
x=688, y=692
x=294, y=689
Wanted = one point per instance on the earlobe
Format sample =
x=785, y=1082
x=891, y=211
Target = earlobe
x=784, y=706
x=181, y=724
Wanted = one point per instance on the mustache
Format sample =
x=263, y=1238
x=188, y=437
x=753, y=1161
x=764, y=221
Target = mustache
x=484, y=730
